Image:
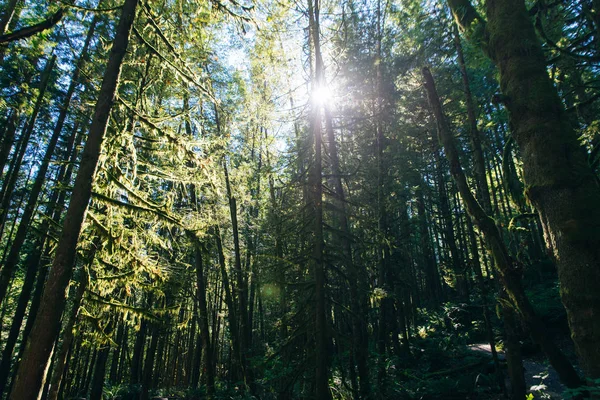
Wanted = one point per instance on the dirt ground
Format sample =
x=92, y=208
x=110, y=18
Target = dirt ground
x=542, y=380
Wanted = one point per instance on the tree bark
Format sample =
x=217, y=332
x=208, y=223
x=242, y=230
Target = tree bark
x=32, y=371
x=559, y=182
x=8, y=139
x=513, y=350
x=36, y=189
x=42, y=250
x=203, y=321
x=33, y=29
x=509, y=272
x=241, y=284
x=67, y=340
x=7, y=15
x=359, y=326
x=149, y=362
x=11, y=180
x=231, y=308
x=316, y=206
x=138, y=353
x=97, y=382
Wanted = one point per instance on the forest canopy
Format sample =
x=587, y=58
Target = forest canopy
x=315, y=199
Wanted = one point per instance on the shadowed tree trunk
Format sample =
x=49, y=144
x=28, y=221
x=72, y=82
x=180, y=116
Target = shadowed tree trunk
x=97, y=383
x=559, y=182
x=41, y=254
x=513, y=350
x=316, y=206
x=9, y=185
x=241, y=285
x=231, y=308
x=8, y=138
x=67, y=340
x=32, y=370
x=36, y=189
x=433, y=286
x=149, y=362
x=359, y=326
x=509, y=271
x=138, y=353
x=207, y=351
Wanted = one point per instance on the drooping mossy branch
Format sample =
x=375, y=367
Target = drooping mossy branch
x=133, y=193
x=187, y=76
x=140, y=311
x=171, y=138
x=33, y=29
x=70, y=4
x=152, y=19
x=222, y=7
x=119, y=245
x=471, y=23
x=114, y=276
x=133, y=207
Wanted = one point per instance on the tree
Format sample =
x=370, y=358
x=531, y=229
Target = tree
x=31, y=375
x=559, y=182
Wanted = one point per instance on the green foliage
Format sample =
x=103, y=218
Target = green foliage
x=120, y=391
x=546, y=301
x=204, y=88
x=592, y=389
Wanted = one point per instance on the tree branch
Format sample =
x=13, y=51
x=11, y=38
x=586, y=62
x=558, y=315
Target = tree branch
x=33, y=29
x=471, y=23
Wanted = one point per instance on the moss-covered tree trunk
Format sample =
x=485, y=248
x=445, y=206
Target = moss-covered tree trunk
x=560, y=184
x=509, y=272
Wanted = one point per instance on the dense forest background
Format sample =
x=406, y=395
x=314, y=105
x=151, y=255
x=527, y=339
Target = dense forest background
x=315, y=199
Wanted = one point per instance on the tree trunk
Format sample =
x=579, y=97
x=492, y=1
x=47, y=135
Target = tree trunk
x=8, y=139
x=36, y=189
x=432, y=276
x=241, y=284
x=514, y=361
x=114, y=362
x=42, y=250
x=509, y=272
x=99, y=373
x=452, y=255
x=32, y=371
x=231, y=308
x=560, y=184
x=149, y=363
x=514, y=358
x=359, y=326
x=316, y=205
x=203, y=321
x=67, y=340
x=7, y=15
x=10, y=181
x=138, y=353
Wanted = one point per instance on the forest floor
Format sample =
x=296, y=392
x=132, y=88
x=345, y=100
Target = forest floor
x=541, y=379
